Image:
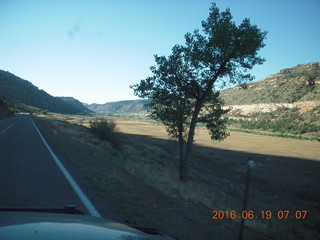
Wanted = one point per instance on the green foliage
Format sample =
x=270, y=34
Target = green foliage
x=43, y=112
x=183, y=83
x=283, y=120
x=105, y=129
x=213, y=118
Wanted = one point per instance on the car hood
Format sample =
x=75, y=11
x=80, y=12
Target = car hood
x=29, y=225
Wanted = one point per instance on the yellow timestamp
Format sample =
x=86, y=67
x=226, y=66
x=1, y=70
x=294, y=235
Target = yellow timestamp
x=265, y=214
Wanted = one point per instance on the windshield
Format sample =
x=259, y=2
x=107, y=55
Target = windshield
x=147, y=113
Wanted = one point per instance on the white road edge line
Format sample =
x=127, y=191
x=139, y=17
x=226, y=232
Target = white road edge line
x=83, y=197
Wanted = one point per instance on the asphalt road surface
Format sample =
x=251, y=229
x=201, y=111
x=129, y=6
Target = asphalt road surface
x=29, y=177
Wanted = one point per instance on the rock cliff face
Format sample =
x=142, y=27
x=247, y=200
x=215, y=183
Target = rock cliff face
x=270, y=107
x=287, y=102
x=297, y=87
x=297, y=84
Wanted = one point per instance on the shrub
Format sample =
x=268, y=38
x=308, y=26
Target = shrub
x=106, y=129
x=5, y=110
x=43, y=112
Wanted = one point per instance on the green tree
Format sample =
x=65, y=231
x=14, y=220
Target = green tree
x=183, y=88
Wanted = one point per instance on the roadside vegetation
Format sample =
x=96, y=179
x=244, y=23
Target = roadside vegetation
x=106, y=130
x=141, y=180
x=5, y=110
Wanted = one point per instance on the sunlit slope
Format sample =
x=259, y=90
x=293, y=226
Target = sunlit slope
x=287, y=102
x=129, y=107
x=297, y=84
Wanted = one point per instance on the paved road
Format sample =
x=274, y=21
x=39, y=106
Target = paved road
x=28, y=175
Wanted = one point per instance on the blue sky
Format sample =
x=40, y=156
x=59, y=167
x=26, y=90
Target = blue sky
x=93, y=50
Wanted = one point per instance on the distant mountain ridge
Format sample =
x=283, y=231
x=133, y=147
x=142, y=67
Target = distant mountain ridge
x=76, y=104
x=126, y=107
x=25, y=96
x=287, y=103
x=298, y=84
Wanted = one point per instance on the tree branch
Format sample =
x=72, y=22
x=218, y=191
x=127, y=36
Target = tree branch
x=214, y=79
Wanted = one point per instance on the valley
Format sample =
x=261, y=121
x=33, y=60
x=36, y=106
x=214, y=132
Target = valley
x=285, y=177
x=237, y=141
x=139, y=178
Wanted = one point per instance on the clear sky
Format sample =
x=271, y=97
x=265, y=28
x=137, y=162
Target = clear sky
x=93, y=50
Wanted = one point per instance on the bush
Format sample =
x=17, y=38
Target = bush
x=5, y=110
x=106, y=129
x=43, y=112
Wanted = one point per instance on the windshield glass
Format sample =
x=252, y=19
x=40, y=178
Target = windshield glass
x=194, y=119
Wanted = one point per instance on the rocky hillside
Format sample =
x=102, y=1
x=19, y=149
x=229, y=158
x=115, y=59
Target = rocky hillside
x=129, y=107
x=297, y=84
x=297, y=87
x=287, y=102
x=294, y=87
x=24, y=96
x=76, y=104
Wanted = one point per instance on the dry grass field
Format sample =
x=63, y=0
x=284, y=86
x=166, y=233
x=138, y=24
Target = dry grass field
x=141, y=179
x=237, y=141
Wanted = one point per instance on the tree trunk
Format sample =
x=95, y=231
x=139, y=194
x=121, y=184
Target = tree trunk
x=181, y=153
x=183, y=168
x=184, y=161
x=198, y=105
